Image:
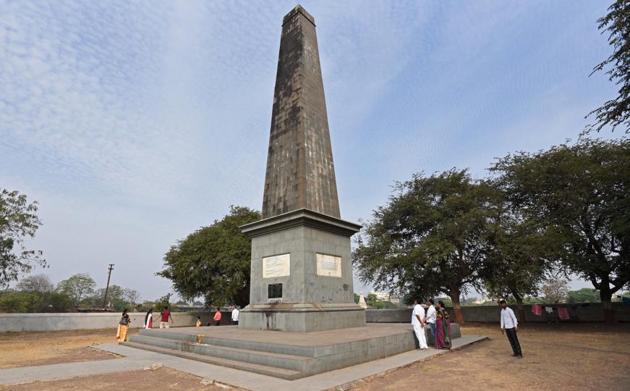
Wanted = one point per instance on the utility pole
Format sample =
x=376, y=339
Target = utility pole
x=109, y=275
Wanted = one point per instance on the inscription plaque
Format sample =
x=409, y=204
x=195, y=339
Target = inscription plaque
x=276, y=266
x=328, y=265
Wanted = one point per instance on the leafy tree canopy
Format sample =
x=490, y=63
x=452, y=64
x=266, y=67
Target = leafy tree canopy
x=214, y=261
x=579, y=192
x=118, y=298
x=520, y=254
x=616, y=112
x=35, y=283
x=32, y=301
x=584, y=295
x=77, y=287
x=18, y=220
x=428, y=239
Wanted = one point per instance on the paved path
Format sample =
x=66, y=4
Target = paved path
x=135, y=359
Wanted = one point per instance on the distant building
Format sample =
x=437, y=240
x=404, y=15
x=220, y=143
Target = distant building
x=382, y=296
x=386, y=296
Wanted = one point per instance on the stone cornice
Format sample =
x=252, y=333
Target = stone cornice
x=297, y=218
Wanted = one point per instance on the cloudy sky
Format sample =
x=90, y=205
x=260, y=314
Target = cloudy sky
x=133, y=123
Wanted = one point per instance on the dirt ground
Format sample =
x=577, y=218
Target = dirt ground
x=160, y=379
x=556, y=357
x=35, y=348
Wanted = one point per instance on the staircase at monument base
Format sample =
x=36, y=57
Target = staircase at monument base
x=273, y=359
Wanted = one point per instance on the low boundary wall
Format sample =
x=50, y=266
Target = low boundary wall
x=587, y=312
x=96, y=320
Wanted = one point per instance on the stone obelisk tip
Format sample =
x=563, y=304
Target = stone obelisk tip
x=296, y=11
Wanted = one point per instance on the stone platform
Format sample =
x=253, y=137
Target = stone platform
x=280, y=354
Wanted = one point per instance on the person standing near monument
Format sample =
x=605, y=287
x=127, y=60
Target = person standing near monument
x=418, y=323
x=148, y=319
x=123, y=326
x=431, y=316
x=235, y=313
x=442, y=327
x=509, y=326
x=165, y=316
x=217, y=317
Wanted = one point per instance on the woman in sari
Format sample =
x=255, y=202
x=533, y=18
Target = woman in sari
x=123, y=326
x=148, y=319
x=442, y=328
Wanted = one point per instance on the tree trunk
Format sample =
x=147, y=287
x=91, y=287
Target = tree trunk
x=519, y=307
x=605, y=295
x=457, y=308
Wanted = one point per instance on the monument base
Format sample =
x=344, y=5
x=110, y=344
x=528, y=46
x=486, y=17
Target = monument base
x=282, y=354
x=301, y=317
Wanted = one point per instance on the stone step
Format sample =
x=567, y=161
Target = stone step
x=293, y=350
x=256, y=368
x=284, y=361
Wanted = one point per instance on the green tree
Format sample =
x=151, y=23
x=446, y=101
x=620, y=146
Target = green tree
x=616, y=111
x=57, y=302
x=429, y=238
x=164, y=301
x=77, y=287
x=35, y=283
x=19, y=302
x=214, y=261
x=32, y=301
x=584, y=295
x=370, y=300
x=18, y=220
x=580, y=193
x=118, y=298
x=519, y=253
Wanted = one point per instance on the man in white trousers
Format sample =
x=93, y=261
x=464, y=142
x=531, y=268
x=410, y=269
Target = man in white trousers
x=418, y=323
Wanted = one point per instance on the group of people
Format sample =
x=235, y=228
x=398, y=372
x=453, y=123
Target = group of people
x=166, y=318
x=437, y=321
x=218, y=316
x=125, y=321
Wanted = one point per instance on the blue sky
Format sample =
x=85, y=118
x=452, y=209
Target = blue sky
x=134, y=123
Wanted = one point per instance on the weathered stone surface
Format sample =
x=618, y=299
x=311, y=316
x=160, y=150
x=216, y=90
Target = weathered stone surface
x=300, y=170
x=303, y=235
x=301, y=221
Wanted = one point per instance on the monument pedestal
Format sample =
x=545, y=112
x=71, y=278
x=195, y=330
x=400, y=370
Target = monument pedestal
x=301, y=274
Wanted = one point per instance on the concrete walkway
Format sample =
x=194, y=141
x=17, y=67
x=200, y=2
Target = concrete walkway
x=135, y=359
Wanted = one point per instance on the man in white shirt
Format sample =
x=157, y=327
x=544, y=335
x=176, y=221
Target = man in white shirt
x=235, y=313
x=509, y=325
x=418, y=323
x=431, y=316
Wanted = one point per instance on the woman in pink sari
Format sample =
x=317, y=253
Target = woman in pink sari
x=442, y=328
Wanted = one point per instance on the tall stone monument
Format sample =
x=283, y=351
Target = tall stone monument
x=301, y=270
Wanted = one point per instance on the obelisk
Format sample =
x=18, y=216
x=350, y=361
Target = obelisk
x=301, y=268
